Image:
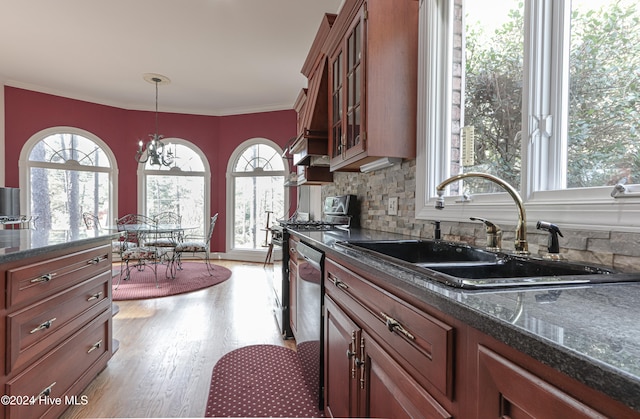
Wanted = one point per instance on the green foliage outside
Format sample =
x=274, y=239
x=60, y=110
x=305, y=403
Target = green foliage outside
x=604, y=112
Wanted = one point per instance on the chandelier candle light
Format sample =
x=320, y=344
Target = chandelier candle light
x=155, y=148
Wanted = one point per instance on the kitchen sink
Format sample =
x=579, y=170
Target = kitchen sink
x=425, y=252
x=465, y=266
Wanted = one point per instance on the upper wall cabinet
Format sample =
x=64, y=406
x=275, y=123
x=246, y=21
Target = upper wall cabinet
x=373, y=56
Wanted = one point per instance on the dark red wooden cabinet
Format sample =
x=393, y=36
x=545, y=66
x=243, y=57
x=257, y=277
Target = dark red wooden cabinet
x=56, y=327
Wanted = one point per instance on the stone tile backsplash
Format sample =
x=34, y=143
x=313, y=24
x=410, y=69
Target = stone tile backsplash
x=619, y=250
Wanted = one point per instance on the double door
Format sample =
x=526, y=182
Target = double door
x=363, y=380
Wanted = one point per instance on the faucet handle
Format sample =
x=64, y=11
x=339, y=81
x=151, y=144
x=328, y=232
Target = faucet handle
x=494, y=234
x=437, y=232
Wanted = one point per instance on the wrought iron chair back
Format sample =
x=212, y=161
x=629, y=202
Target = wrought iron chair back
x=133, y=220
x=167, y=239
x=91, y=221
x=138, y=228
x=198, y=245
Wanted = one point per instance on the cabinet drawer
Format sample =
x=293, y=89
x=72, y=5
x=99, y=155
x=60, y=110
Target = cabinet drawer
x=35, y=281
x=36, y=328
x=57, y=371
x=422, y=344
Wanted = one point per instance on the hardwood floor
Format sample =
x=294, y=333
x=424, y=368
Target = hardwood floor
x=168, y=347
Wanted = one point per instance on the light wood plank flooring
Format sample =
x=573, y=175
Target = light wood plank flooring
x=168, y=347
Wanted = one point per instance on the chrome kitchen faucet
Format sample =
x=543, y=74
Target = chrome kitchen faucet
x=521, y=246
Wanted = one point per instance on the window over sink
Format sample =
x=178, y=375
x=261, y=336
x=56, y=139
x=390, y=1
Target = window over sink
x=542, y=93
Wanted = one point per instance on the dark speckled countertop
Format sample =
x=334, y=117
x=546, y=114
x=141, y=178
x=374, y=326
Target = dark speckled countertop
x=590, y=333
x=24, y=243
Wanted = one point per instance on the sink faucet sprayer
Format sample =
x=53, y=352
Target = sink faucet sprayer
x=521, y=246
x=553, y=245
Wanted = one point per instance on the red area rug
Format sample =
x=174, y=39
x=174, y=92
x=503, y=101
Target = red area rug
x=261, y=381
x=142, y=284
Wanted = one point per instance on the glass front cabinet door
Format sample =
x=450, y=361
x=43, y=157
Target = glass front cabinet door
x=372, y=54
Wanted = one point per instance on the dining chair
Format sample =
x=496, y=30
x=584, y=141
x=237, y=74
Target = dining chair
x=92, y=222
x=197, y=245
x=167, y=239
x=138, y=228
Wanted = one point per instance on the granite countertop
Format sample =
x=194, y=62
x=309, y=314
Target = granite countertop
x=22, y=243
x=589, y=332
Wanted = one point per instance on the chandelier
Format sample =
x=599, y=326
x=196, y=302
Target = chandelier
x=155, y=149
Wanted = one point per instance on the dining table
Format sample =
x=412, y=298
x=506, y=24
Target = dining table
x=148, y=236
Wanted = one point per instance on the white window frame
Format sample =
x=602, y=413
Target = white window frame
x=143, y=173
x=25, y=165
x=252, y=255
x=543, y=144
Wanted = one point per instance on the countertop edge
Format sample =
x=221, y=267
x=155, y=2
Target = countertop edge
x=47, y=248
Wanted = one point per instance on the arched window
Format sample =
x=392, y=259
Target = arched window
x=64, y=172
x=183, y=187
x=255, y=189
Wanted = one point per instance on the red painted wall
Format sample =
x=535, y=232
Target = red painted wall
x=28, y=112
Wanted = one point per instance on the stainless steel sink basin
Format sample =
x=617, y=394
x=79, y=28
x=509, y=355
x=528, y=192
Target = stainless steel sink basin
x=464, y=266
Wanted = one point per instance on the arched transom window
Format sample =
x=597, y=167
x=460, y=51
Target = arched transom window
x=68, y=171
x=181, y=188
x=258, y=173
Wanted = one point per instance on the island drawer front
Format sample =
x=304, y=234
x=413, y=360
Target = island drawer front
x=39, y=327
x=32, y=282
x=422, y=344
x=57, y=372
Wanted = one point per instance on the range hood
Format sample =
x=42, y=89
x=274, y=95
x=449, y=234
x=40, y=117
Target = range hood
x=311, y=148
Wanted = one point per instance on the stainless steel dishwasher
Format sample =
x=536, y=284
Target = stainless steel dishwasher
x=309, y=331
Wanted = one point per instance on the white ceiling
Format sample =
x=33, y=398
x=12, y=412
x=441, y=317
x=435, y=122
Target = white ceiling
x=223, y=56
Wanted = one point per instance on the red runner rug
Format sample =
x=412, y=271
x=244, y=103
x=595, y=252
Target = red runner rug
x=261, y=381
x=142, y=284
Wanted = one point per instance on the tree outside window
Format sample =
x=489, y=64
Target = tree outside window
x=68, y=174
x=258, y=182
x=600, y=145
x=549, y=89
x=180, y=188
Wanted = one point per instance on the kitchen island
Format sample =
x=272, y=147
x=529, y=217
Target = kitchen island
x=567, y=340
x=56, y=318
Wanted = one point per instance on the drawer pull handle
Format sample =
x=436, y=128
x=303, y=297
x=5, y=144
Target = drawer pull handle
x=45, y=393
x=338, y=283
x=43, y=326
x=43, y=279
x=351, y=352
x=95, y=346
x=394, y=326
x=96, y=260
x=95, y=296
